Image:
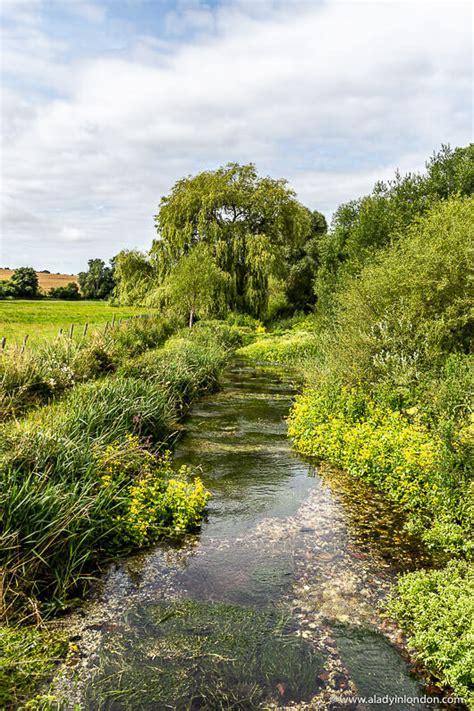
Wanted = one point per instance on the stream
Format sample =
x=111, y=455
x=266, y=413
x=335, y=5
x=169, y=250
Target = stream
x=274, y=602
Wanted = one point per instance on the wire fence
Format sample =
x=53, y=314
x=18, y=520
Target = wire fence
x=73, y=328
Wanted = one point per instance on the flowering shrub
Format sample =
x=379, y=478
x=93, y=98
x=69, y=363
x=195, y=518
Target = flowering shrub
x=156, y=500
x=393, y=450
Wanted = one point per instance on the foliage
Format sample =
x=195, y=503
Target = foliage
x=135, y=276
x=287, y=348
x=303, y=261
x=70, y=292
x=196, y=285
x=246, y=221
x=23, y=284
x=159, y=501
x=436, y=608
x=60, y=516
x=393, y=450
x=411, y=306
x=361, y=227
x=98, y=281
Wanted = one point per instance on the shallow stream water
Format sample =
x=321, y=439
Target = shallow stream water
x=275, y=602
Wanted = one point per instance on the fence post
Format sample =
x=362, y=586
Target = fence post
x=2, y=342
x=85, y=329
x=71, y=330
x=24, y=344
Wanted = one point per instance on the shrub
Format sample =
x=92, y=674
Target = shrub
x=392, y=450
x=409, y=308
x=160, y=501
x=436, y=608
x=68, y=292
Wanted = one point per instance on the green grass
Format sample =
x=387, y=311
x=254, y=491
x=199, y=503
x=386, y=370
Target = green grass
x=42, y=374
x=291, y=347
x=59, y=498
x=41, y=320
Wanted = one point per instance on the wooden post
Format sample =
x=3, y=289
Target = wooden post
x=85, y=329
x=71, y=330
x=24, y=344
x=2, y=342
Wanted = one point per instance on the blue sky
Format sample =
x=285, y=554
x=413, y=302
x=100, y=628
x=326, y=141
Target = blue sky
x=105, y=103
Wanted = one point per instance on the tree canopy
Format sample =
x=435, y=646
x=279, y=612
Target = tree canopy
x=23, y=283
x=98, y=281
x=247, y=222
x=196, y=285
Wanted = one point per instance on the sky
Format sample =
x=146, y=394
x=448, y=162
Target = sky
x=106, y=103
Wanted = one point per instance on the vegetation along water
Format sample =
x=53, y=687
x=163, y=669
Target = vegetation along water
x=262, y=497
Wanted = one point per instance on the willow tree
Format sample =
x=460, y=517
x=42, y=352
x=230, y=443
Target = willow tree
x=135, y=276
x=195, y=286
x=247, y=222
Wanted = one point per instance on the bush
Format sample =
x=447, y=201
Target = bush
x=411, y=306
x=393, y=450
x=436, y=608
x=68, y=292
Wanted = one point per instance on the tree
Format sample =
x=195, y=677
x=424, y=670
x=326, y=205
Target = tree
x=303, y=264
x=362, y=227
x=246, y=221
x=24, y=283
x=135, y=277
x=196, y=285
x=98, y=282
x=68, y=292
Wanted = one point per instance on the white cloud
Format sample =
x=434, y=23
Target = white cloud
x=331, y=95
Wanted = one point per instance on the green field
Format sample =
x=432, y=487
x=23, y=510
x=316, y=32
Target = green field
x=41, y=320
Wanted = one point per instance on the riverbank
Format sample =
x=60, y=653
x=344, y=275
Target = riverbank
x=419, y=458
x=87, y=479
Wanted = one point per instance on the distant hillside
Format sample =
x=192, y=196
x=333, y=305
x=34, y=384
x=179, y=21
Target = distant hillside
x=46, y=281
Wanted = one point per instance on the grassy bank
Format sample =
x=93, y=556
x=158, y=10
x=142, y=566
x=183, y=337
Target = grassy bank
x=37, y=376
x=89, y=477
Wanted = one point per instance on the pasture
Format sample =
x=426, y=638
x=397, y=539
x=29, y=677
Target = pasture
x=41, y=320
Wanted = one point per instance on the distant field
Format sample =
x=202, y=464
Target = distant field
x=41, y=320
x=46, y=281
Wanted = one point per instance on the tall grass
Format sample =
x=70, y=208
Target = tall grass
x=36, y=377
x=56, y=511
